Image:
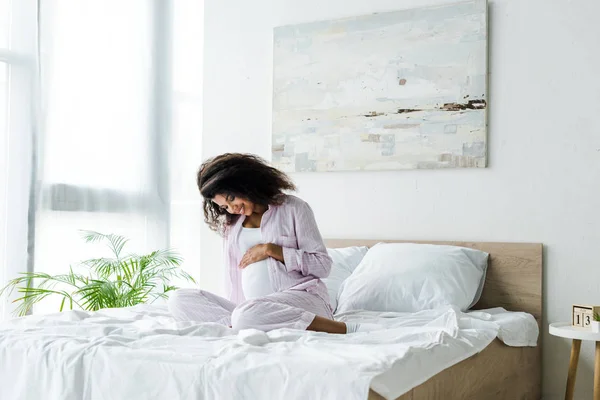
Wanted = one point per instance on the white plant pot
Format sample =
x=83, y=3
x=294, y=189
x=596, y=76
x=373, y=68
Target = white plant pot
x=595, y=326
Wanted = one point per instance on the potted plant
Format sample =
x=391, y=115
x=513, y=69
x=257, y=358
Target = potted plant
x=117, y=281
x=595, y=324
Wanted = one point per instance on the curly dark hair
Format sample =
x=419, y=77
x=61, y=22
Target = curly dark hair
x=241, y=175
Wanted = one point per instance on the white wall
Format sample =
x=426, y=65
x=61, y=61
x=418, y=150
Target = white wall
x=543, y=180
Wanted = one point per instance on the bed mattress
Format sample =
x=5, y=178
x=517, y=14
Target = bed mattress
x=142, y=352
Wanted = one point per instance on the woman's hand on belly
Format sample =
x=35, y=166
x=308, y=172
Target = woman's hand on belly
x=254, y=254
x=261, y=252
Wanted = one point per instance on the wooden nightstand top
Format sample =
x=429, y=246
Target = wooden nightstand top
x=566, y=330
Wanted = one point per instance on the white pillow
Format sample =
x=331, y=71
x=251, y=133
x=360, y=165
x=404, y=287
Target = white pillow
x=408, y=277
x=345, y=261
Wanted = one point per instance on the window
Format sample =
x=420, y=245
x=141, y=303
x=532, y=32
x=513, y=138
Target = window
x=3, y=164
x=103, y=165
x=117, y=141
x=4, y=23
x=100, y=90
x=4, y=70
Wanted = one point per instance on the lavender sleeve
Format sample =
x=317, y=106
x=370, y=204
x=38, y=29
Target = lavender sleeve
x=310, y=258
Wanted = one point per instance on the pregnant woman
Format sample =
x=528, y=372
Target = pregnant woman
x=275, y=255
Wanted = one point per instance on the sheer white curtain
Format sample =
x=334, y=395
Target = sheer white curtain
x=118, y=132
x=18, y=43
x=186, y=216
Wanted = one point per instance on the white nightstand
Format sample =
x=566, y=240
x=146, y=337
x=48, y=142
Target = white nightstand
x=566, y=330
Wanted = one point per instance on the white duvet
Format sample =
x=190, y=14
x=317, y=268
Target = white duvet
x=142, y=353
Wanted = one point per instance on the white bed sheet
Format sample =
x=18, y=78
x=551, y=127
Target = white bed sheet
x=142, y=353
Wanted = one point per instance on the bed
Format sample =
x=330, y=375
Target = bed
x=514, y=282
x=142, y=352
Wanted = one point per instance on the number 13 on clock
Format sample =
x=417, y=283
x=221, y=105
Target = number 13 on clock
x=584, y=315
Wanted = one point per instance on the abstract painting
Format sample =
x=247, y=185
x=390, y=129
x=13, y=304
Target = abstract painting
x=389, y=91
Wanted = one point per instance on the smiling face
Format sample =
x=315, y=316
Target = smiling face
x=235, y=205
x=233, y=184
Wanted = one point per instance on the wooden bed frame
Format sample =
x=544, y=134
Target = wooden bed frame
x=513, y=281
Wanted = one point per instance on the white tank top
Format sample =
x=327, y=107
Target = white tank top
x=255, y=277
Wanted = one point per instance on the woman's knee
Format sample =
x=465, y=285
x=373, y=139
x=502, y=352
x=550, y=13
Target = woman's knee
x=247, y=315
x=180, y=298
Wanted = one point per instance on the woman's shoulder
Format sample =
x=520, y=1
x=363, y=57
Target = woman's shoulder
x=292, y=201
x=294, y=206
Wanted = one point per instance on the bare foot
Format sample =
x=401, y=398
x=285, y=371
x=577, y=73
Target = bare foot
x=320, y=324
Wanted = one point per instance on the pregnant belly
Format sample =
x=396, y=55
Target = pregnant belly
x=256, y=281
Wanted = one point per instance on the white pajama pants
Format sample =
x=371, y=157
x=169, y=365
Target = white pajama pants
x=294, y=309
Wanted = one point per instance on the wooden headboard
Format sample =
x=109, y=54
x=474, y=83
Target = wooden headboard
x=514, y=274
